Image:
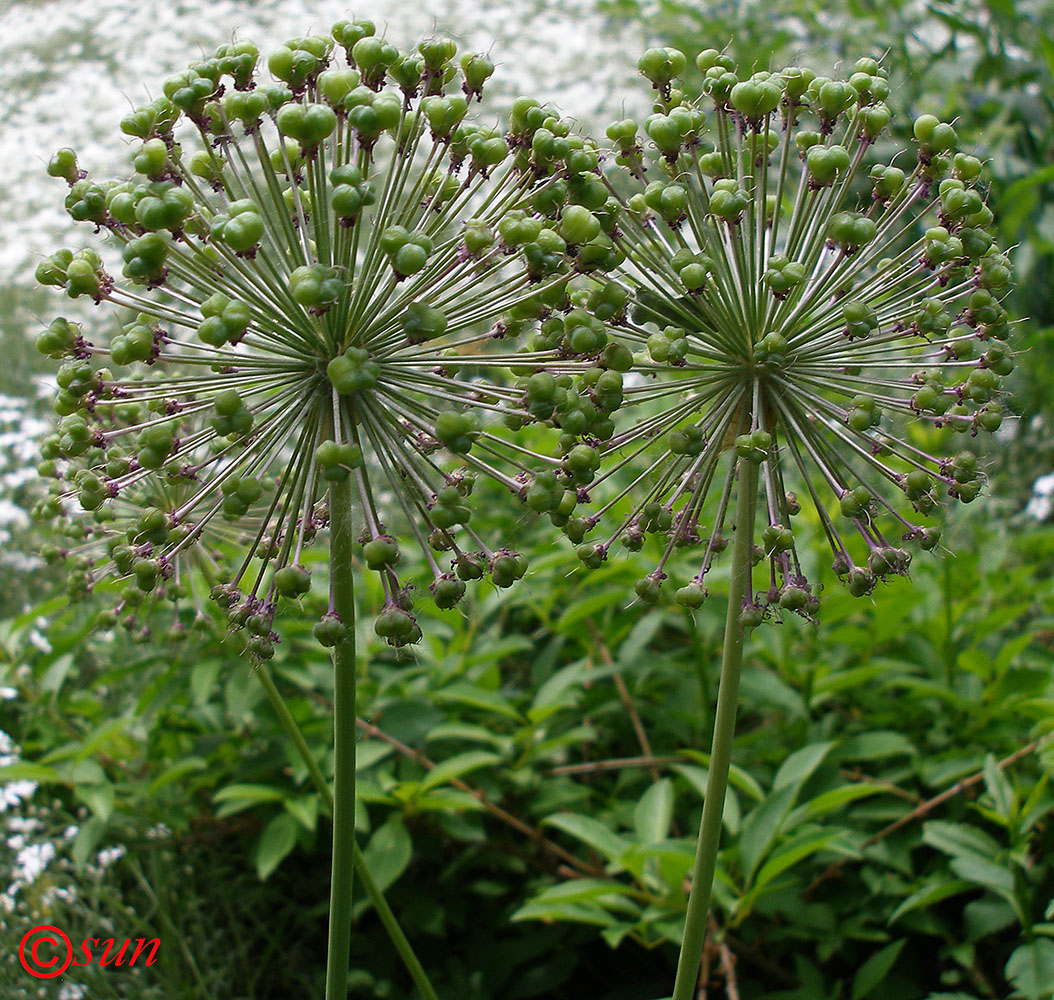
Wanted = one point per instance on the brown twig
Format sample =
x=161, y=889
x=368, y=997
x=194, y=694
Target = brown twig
x=616, y=764
x=925, y=808
x=728, y=968
x=855, y=774
x=532, y=832
x=624, y=696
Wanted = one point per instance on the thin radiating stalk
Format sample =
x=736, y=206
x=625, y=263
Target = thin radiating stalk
x=342, y=538
x=724, y=732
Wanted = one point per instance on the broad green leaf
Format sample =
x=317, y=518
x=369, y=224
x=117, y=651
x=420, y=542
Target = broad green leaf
x=792, y=852
x=579, y=890
x=998, y=787
x=670, y=862
x=930, y=894
x=389, y=851
x=959, y=840
x=800, y=766
x=1031, y=970
x=304, y=810
x=464, y=693
x=875, y=746
x=55, y=676
x=468, y=732
x=761, y=827
x=178, y=770
x=591, y=832
x=235, y=798
x=731, y=815
x=738, y=777
x=875, y=969
x=277, y=839
x=98, y=798
x=458, y=766
x=654, y=811
x=446, y=800
x=202, y=680
x=987, y=873
x=86, y=840
x=24, y=770
x=828, y=802
x=368, y=752
x=579, y=913
x=841, y=680
x=581, y=609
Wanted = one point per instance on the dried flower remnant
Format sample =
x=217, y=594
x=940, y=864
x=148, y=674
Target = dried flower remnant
x=796, y=306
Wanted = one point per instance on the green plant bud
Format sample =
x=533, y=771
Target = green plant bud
x=578, y=225
x=63, y=163
x=755, y=99
x=647, y=590
x=661, y=65
x=329, y=630
x=381, y=552
x=292, y=581
x=352, y=371
x=824, y=163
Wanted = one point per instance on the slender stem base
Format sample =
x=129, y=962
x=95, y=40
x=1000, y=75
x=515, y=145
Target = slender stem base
x=343, y=588
x=373, y=891
x=724, y=732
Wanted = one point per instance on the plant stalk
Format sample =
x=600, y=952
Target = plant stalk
x=724, y=732
x=342, y=577
x=373, y=891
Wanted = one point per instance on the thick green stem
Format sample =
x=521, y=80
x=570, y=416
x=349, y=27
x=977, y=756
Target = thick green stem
x=373, y=891
x=342, y=577
x=724, y=732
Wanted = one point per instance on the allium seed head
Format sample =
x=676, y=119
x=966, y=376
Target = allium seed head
x=795, y=303
x=322, y=276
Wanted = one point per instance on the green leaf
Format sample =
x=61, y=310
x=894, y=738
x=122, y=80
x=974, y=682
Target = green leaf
x=654, y=811
x=985, y=873
x=579, y=610
x=368, y=752
x=464, y=693
x=389, y=851
x=580, y=890
x=24, y=770
x=875, y=969
x=591, y=832
x=930, y=894
x=837, y=797
x=1031, y=970
x=875, y=746
x=277, y=839
x=235, y=798
x=959, y=840
x=579, y=913
x=762, y=826
x=457, y=766
x=86, y=840
x=999, y=788
x=792, y=852
x=304, y=810
x=55, y=676
x=178, y=770
x=800, y=766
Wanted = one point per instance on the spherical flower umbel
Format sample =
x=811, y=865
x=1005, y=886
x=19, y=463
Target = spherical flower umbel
x=317, y=276
x=795, y=302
